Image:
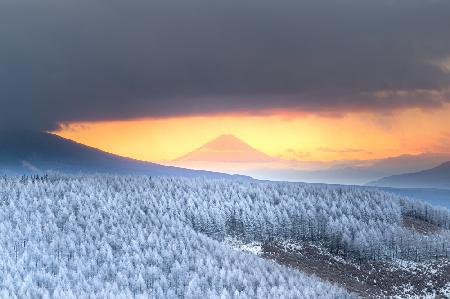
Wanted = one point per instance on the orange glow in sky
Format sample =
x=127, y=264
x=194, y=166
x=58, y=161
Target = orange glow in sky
x=302, y=137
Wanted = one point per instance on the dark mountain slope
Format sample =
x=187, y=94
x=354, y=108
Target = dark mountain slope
x=437, y=177
x=35, y=152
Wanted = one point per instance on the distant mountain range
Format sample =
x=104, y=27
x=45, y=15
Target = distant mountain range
x=35, y=152
x=226, y=149
x=353, y=172
x=437, y=177
x=227, y=153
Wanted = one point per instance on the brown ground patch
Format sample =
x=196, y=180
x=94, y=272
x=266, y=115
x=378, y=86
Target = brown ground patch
x=419, y=225
x=368, y=280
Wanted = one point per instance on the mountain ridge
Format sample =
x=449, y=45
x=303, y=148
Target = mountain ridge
x=436, y=177
x=29, y=152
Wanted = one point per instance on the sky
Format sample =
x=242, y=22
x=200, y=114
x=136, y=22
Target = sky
x=304, y=80
x=302, y=137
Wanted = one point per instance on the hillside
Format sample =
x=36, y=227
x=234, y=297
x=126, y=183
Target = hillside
x=170, y=237
x=437, y=177
x=28, y=152
x=123, y=237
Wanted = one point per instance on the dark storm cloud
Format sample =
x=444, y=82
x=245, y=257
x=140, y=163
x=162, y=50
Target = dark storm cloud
x=63, y=60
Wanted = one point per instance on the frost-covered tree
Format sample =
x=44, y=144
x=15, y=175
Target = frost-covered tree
x=103, y=237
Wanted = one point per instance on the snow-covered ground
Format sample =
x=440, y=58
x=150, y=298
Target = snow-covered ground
x=252, y=247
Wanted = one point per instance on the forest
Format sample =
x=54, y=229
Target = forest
x=162, y=237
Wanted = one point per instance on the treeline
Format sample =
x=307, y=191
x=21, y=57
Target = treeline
x=426, y=212
x=354, y=222
x=123, y=237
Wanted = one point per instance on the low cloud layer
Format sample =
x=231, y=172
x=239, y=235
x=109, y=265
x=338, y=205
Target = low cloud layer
x=94, y=60
x=343, y=150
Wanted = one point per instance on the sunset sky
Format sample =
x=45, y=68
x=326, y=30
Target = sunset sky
x=286, y=135
x=299, y=80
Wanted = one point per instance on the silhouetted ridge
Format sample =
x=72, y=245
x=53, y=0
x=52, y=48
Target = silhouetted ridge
x=437, y=177
x=28, y=152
